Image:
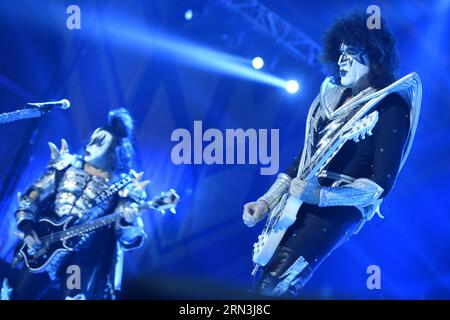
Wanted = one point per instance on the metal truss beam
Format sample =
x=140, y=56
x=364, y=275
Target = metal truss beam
x=270, y=24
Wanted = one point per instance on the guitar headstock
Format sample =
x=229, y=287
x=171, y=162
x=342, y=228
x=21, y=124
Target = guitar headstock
x=166, y=200
x=362, y=128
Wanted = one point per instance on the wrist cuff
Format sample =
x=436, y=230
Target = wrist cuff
x=277, y=190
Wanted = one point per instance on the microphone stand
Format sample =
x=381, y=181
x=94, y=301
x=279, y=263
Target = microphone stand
x=20, y=115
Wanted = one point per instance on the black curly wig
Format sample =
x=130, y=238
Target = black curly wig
x=379, y=44
x=121, y=127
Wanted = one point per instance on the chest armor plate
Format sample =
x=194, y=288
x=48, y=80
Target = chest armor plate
x=77, y=191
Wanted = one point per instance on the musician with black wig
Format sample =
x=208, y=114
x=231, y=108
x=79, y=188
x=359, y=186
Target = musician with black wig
x=86, y=187
x=339, y=192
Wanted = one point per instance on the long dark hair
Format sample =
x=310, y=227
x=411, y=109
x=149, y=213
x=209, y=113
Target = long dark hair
x=379, y=44
x=121, y=153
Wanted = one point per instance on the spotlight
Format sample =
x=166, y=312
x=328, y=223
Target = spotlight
x=257, y=63
x=192, y=54
x=292, y=86
x=188, y=14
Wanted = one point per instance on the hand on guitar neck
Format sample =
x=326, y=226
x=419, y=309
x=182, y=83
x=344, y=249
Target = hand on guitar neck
x=307, y=191
x=131, y=213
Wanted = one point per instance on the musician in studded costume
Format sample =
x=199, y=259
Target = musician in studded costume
x=82, y=186
x=348, y=189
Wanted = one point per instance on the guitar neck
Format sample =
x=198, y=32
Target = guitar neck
x=97, y=223
x=310, y=172
x=89, y=226
x=356, y=127
x=164, y=201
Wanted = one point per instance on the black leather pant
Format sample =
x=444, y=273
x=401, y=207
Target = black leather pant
x=313, y=236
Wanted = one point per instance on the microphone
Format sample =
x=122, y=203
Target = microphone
x=50, y=105
x=34, y=110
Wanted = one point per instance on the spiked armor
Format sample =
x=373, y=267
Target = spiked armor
x=67, y=189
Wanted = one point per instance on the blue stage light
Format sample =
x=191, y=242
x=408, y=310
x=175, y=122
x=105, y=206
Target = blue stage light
x=258, y=63
x=188, y=14
x=192, y=54
x=292, y=86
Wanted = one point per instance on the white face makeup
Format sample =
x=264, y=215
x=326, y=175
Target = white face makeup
x=353, y=65
x=97, y=148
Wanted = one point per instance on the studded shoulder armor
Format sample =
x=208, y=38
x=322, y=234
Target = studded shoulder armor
x=45, y=185
x=62, y=158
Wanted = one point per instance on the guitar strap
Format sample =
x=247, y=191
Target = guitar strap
x=125, y=180
x=107, y=193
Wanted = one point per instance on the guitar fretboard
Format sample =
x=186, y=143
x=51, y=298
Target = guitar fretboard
x=166, y=200
x=89, y=226
x=93, y=225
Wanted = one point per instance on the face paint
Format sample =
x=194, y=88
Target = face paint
x=353, y=65
x=97, y=148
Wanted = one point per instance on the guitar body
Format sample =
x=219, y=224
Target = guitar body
x=285, y=212
x=280, y=219
x=38, y=260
